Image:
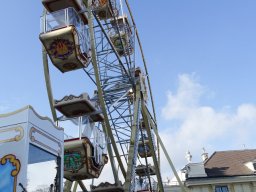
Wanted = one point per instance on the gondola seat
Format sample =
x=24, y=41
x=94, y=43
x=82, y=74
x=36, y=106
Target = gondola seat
x=73, y=106
x=142, y=170
x=103, y=9
x=144, y=151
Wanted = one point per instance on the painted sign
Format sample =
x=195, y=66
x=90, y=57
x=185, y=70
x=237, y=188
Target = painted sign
x=61, y=48
x=73, y=161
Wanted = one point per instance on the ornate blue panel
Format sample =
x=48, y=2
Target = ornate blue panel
x=9, y=170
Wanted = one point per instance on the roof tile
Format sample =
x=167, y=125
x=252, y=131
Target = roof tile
x=230, y=163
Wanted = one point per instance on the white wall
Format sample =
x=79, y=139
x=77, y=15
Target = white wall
x=237, y=187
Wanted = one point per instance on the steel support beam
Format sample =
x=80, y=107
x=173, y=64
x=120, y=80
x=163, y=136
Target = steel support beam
x=81, y=184
x=145, y=66
x=48, y=84
x=67, y=186
x=133, y=149
x=153, y=125
x=75, y=187
x=106, y=124
x=113, y=47
x=151, y=146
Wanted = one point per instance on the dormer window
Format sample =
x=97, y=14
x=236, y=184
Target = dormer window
x=254, y=165
x=251, y=165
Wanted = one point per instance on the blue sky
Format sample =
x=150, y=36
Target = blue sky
x=215, y=39
x=208, y=47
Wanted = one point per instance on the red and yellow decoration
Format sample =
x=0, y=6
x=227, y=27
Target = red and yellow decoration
x=61, y=49
x=102, y=2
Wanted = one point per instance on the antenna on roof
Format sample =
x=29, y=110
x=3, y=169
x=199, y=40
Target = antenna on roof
x=204, y=154
x=188, y=156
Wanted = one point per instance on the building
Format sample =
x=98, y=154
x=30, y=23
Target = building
x=224, y=171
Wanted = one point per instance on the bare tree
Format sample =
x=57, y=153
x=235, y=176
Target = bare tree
x=42, y=188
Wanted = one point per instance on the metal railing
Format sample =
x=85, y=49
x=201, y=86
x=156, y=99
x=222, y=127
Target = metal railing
x=65, y=18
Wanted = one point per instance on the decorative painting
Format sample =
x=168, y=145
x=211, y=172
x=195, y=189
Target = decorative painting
x=61, y=49
x=102, y=3
x=5, y=138
x=73, y=161
x=9, y=170
x=40, y=138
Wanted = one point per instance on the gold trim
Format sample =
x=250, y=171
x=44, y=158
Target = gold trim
x=14, y=112
x=30, y=107
x=15, y=138
x=33, y=139
x=45, y=118
x=16, y=163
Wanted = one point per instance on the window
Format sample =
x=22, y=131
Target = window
x=221, y=189
x=43, y=170
x=254, y=165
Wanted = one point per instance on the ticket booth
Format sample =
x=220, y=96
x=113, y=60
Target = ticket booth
x=31, y=152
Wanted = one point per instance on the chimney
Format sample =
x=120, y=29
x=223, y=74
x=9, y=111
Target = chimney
x=188, y=156
x=204, y=155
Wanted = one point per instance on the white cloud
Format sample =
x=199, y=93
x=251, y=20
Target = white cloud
x=186, y=99
x=199, y=126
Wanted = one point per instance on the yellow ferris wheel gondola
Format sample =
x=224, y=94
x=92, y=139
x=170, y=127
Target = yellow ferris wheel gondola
x=66, y=39
x=121, y=36
x=103, y=8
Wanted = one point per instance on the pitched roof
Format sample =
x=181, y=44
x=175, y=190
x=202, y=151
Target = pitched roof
x=230, y=163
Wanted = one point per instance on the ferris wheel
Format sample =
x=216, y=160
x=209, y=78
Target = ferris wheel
x=117, y=123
